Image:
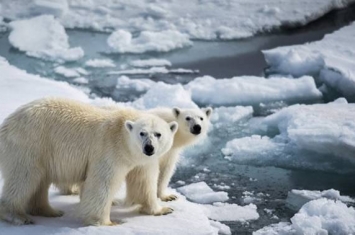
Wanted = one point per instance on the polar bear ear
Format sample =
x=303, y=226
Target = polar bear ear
x=207, y=111
x=176, y=111
x=173, y=127
x=129, y=125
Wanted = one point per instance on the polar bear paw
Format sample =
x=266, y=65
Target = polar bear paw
x=168, y=198
x=164, y=211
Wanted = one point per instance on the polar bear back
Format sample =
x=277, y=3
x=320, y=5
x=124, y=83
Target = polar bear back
x=63, y=135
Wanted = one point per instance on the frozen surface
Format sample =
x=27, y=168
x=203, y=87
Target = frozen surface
x=122, y=41
x=43, y=37
x=165, y=95
x=321, y=216
x=231, y=19
x=231, y=212
x=150, y=63
x=323, y=128
x=223, y=115
x=100, y=63
x=188, y=218
x=248, y=90
x=331, y=60
x=222, y=228
x=297, y=198
x=124, y=82
x=202, y=193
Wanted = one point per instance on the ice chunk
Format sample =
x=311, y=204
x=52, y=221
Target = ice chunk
x=100, y=63
x=43, y=37
x=121, y=41
x=254, y=147
x=323, y=128
x=222, y=228
x=297, y=198
x=231, y=212
x=250, y=90
x=230, y=115
x=321, y=216
x=124, y=82
x=165, y=95
x=153, y=70
x=202, y=193
x=66, y=72
x=331, y=60
x=150, y=63
x=80, y=80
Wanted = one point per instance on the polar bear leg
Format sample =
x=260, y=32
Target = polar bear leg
x=167, y=168
x=98, y=191
x=39, y=203
x=141, y=184
x=19, y=186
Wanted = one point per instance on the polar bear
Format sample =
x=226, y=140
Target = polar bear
x=62, y=141
x=193, y=125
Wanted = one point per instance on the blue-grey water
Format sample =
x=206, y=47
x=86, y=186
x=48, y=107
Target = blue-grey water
x=219, y=59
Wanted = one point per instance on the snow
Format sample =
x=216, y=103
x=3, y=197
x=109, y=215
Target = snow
x=323, y=128
x=231, y=212
x=122, y=41
x=188, y=218
x=80, y=80
x=66, y=72
x=43, y=37
x=201, y=193
x=249, y=90
x=222, y=228
x=18, y=87
x=331, y=60
x=320, y=216
x=297, y=198
x=150, y=63
x=207, y=20
x=100, y=63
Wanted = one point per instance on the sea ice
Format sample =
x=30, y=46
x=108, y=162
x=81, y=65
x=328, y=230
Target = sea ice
x=201, y=193
x=122, y=41
x=43, y=37
x=297, y=198
x=100, y=63
x=231, y=212
x=331, y=60
x=249, y=90
x=150, y=63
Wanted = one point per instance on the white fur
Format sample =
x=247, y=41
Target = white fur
x=66, y=142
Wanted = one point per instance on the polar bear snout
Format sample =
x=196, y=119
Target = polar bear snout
x=196, y=129
x=148, y=150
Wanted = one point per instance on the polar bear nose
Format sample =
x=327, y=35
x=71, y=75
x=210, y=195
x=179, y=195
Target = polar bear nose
x=196, y=129
x=149, y=150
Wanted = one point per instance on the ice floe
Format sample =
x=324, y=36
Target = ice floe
x=100, y=63
x=331, y=60
x=248, y=90
x=198, y=19
x=320, y=216
x=122, y=41
x=201, y=193
x=150, y=63
x=43, y=37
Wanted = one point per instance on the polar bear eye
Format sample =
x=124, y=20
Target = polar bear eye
x=188, y=118
x=201, y=118
x=141, y=134
x=158, y=135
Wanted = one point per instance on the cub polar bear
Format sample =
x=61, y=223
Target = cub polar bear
x=63, y=141
x=193, y=124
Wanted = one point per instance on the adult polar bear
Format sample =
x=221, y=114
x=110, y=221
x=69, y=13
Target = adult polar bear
x=62, y=141
x=193, y=124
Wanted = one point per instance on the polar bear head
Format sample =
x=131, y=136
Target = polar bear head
x=193, y=122
x=151, y=135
